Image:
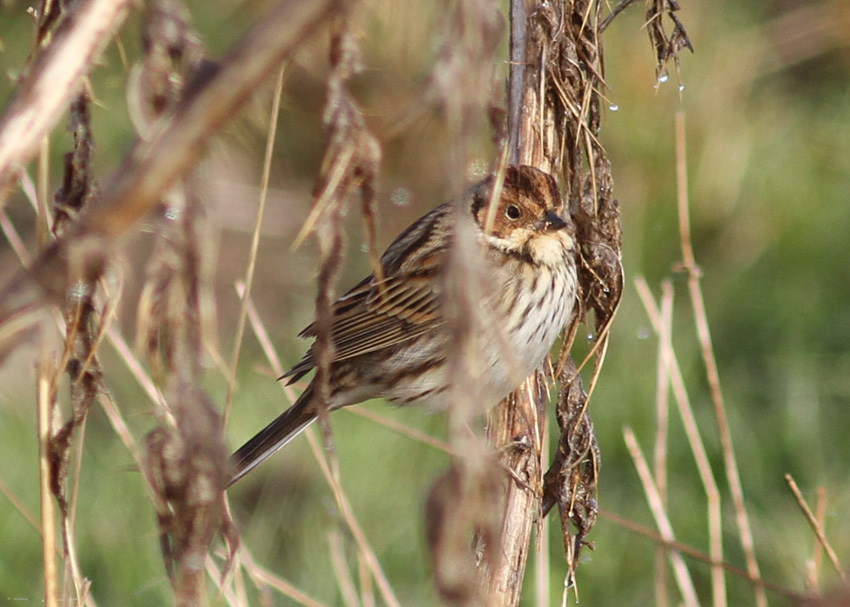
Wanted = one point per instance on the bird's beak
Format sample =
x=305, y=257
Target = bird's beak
x=552, y=222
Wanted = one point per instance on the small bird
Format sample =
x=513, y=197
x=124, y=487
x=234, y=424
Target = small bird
x=390, y=335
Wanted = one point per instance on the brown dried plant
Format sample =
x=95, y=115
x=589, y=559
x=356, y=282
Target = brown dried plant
x=480, y=514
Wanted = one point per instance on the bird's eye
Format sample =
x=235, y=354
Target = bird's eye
x=512, y=212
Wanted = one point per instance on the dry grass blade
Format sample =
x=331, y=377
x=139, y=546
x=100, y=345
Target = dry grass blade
x=817, y=528
x=695, y=441
x=680, y=570
x=255, y=243
x=263, y=576
x=366, y=553
x=713, y=375
x=351, y=521
x=344, y=581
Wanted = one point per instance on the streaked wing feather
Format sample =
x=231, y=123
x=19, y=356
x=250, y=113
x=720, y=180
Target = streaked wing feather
x=374, y=315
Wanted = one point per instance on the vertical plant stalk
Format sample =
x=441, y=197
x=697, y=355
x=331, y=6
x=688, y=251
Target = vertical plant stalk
x=713, y=376
x=554, y=115
x=680, y=570
x=48, y=509
x=516, y=426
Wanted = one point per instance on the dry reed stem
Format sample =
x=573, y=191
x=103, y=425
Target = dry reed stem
x=555, y=67
x=680, y=570
x=694, y=437
x=816, y=527
x=53, y=78
x=255, y=244
x=713, y=376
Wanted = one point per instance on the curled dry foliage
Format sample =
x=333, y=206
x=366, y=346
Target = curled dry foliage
x=465, y=505
x=82, y=316
x=561, y=96
x=349, y=166
x=666, y=45
x=185, y=458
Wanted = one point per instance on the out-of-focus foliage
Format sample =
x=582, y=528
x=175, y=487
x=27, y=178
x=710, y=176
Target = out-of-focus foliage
x=767, y=104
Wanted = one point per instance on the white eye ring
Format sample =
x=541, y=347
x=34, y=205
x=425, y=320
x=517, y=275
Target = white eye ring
x=512, y=212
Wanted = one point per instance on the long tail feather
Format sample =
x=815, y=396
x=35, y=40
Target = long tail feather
x=273, y=437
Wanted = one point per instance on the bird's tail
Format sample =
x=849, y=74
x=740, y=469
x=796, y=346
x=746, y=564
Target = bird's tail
x=270, y=439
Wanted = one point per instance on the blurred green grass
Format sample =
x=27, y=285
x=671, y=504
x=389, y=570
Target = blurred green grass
x=769, y=163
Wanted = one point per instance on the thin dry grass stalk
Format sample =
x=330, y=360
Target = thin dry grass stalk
x=662, y=419
x=680, y=570
x=53, y=78
x=680, y=393
x=713, y=376
x=817, y=528
x=255, y=244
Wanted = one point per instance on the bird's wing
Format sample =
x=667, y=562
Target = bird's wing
x=376, y=315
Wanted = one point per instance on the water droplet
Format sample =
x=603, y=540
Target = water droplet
x=606, y=290
x=364, y=248
x=590, y=336
x=643, y=333
x=613, y=107
x=79, y=290
x=477, y=169
x=681, y=87
x=172, y=213
x=400, y=197
x=664, y=78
